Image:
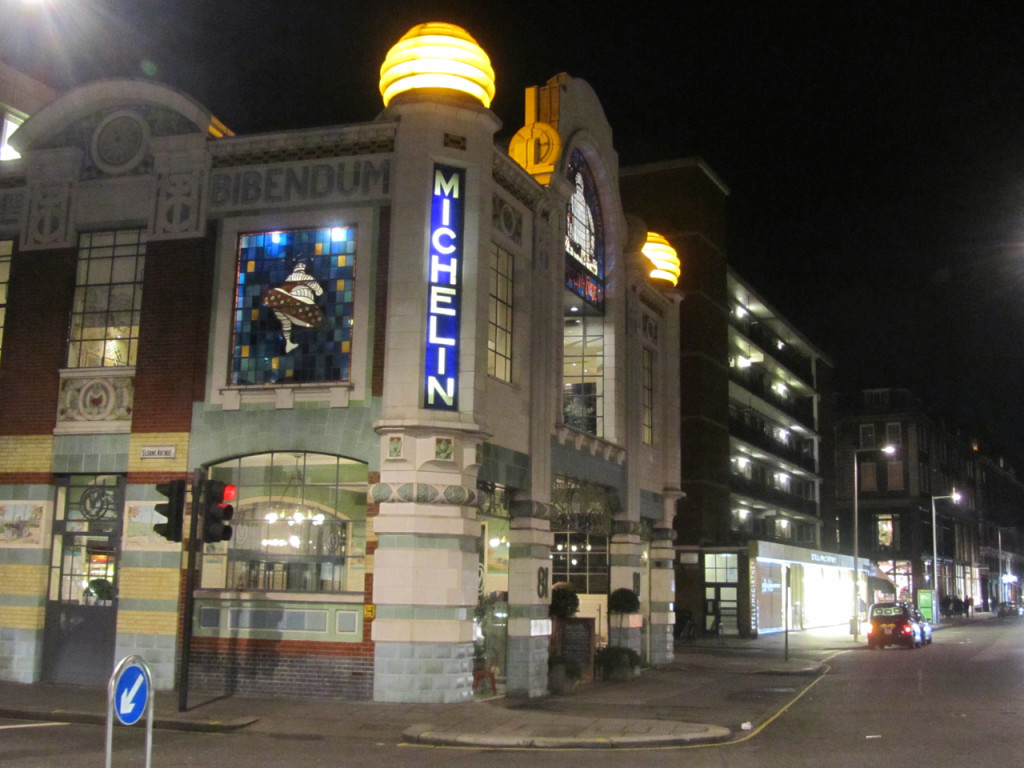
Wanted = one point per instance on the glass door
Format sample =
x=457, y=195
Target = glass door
x=81, y=612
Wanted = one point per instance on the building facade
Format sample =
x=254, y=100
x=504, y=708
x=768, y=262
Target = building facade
x=937, y=499
x=436, y=370
x=755, y=407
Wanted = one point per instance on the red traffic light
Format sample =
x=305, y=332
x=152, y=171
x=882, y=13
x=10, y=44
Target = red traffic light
x=230, y=492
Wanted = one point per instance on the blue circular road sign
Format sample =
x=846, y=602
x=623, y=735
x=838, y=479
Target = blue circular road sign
x=131, y=694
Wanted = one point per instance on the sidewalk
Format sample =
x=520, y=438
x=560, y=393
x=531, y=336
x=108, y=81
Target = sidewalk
x=713, y=690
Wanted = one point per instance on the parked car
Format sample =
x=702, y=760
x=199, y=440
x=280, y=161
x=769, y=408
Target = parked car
x=1008, y=609
x=893, y=623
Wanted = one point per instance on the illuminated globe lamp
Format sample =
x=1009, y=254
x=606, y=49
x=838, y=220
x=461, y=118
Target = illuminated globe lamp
x=664, y=262
x=437, y=55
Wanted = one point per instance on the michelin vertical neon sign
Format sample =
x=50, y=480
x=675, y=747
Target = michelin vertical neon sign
x=441, y=369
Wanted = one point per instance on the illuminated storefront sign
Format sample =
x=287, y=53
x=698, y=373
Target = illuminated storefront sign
x=441, y=368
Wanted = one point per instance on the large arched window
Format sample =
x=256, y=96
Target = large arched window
x=299, y=524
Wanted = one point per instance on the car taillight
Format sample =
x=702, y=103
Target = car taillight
x=907, y=629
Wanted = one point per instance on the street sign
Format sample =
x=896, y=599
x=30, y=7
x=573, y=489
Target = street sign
x=129, y=697
x=131, y=694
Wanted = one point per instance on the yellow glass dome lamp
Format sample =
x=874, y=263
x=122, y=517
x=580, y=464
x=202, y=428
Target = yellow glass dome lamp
x=664, y=260
x=437, y=55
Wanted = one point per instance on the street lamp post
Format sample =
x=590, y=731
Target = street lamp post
x=935, y=556
x=855, y=621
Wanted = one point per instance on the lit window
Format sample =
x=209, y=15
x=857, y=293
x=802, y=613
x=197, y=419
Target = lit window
x=499, y=315
x=10, y=125
x=294, y=300
x=6, y=249
x=108, y=299
x=721, y=568
x=885, y=532
x=299, y=523
x=584, y=235
x=648, y=395
x=583, y=374
x=581, y=525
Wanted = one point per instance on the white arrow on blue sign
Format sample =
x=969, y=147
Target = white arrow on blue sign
x=130, y=695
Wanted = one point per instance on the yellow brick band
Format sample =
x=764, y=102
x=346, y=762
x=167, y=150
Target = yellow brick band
x=147, y=622
x=149, y=583
x=22, y=617
x=26, y=453
x=23, y=579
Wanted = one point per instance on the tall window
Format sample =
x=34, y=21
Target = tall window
x=894, y=479
x=299, y=524
x=294, y=300
x=108, y=299
x=581, y=526
x=893, y=433
x=499, y=315
x=647, y=388
x=583, y=374
x=6, y=249
x=867, y=435
x=868, y=476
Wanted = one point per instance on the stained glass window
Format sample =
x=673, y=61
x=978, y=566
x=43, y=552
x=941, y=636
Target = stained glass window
x=108, y=299
x=584, y=235
x=294, y=299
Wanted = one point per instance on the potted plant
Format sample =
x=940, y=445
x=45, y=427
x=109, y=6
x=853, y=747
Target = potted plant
x=622, y=602
x=563, y=674
x=616, y=662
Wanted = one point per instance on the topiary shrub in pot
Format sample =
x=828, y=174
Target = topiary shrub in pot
x=616, y=662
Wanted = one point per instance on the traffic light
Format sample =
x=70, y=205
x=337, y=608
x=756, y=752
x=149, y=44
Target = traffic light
x=173, y=509
x=216, y=512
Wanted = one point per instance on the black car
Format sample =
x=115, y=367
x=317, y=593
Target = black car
x=894, y=624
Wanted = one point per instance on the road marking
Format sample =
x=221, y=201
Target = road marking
x=29, y=725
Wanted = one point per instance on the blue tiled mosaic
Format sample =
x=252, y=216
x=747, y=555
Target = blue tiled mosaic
x=294, y=299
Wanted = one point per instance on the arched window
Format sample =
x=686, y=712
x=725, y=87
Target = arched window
x=299, y=524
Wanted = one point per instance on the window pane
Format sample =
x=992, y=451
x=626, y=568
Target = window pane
x=103, y=310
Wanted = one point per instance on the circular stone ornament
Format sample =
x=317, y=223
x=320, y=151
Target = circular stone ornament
x=119, y=142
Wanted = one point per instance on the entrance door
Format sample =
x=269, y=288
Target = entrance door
x=81, y=613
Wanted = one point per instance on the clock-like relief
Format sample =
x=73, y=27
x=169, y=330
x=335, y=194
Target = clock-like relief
x=119, y=142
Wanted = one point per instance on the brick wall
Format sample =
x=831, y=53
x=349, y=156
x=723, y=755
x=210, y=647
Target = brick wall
x=174, y=327
x=35, y=340
x=282, y=668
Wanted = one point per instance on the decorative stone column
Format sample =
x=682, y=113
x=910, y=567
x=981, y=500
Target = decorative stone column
x=425, y=569
x=529, y=595
x=663, y=589
x=626, y=554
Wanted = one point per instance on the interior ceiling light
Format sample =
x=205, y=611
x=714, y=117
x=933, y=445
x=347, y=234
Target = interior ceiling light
x=437, y=55
x=663, y=258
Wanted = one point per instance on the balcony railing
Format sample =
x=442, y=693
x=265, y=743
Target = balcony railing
x=773, y=496
x=752, y=380
x=757, y=437
x=769, y=342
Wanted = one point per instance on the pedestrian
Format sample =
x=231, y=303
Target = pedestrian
x=958, y=607
x=968, y=603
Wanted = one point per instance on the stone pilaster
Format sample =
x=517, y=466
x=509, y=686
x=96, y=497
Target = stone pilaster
x=529, y=595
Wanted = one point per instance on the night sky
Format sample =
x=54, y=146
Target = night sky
x=874, y=151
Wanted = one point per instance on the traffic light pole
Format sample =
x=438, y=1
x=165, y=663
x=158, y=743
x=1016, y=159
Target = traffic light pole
x=190, y=588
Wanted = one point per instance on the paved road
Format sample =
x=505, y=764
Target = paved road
x=955, y=703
